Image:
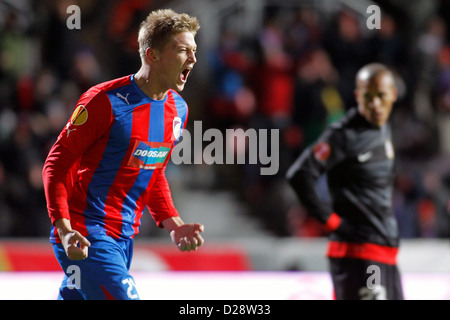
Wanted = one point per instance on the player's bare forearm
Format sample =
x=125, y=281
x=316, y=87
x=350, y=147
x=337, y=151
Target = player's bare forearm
x=186, y=236
x=75, y=245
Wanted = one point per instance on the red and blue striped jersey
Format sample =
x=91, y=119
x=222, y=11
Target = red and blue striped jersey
x=109, y=161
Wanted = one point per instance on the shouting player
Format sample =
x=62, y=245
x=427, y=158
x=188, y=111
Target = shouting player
x=357, y=156
x=108, y=164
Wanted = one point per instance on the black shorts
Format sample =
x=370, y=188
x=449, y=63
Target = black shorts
x=360, y=279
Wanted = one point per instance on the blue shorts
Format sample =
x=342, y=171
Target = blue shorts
x=103, y=275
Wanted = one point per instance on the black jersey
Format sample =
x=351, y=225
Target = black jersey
x=358, y=159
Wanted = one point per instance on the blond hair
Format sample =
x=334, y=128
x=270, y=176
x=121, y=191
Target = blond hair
x=159, y=25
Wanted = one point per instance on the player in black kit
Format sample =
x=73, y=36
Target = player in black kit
x=357, y=156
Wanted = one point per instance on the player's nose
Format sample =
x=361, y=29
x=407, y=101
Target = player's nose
x=374, y=103
x=192, y=58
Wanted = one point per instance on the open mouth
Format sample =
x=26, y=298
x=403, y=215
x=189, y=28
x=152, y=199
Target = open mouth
x=184, y=74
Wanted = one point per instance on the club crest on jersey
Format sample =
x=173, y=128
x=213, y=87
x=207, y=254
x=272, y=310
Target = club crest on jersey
x=176, y=127
x=79, y=116
x=149, y=155
x=322, y=151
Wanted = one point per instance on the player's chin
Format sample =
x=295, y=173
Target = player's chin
x=379, y=122
x=180, y=86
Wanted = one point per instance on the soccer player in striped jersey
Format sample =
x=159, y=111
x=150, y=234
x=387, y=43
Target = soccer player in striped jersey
x=108, y=164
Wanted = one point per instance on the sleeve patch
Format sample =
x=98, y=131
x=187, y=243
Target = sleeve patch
x=79, y=116
x=322, y=151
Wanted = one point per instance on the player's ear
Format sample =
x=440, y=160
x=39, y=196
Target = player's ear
x=355, y=92
x=152, y=54
x=395, y=93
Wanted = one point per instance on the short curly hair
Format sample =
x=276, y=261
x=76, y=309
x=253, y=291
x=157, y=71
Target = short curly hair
x=159, y=25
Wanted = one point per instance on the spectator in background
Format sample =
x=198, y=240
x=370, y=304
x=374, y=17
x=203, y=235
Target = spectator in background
x=440, y=98
x=124, y=17
x=317, y=100
x=387, y=45
x=305, y=33
x=428, y=47
x=275, y=88
x=231, y=101
x=348, y=50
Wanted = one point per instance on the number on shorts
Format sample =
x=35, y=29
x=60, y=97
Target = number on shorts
x=131, y=285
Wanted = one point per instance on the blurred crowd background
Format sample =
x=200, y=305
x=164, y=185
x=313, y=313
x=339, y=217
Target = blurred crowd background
x=293, y=72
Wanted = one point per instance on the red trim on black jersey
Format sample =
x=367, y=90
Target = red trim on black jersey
x=332, y=223
x=366, y=251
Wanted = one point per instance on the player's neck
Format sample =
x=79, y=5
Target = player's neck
x=150, y=87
